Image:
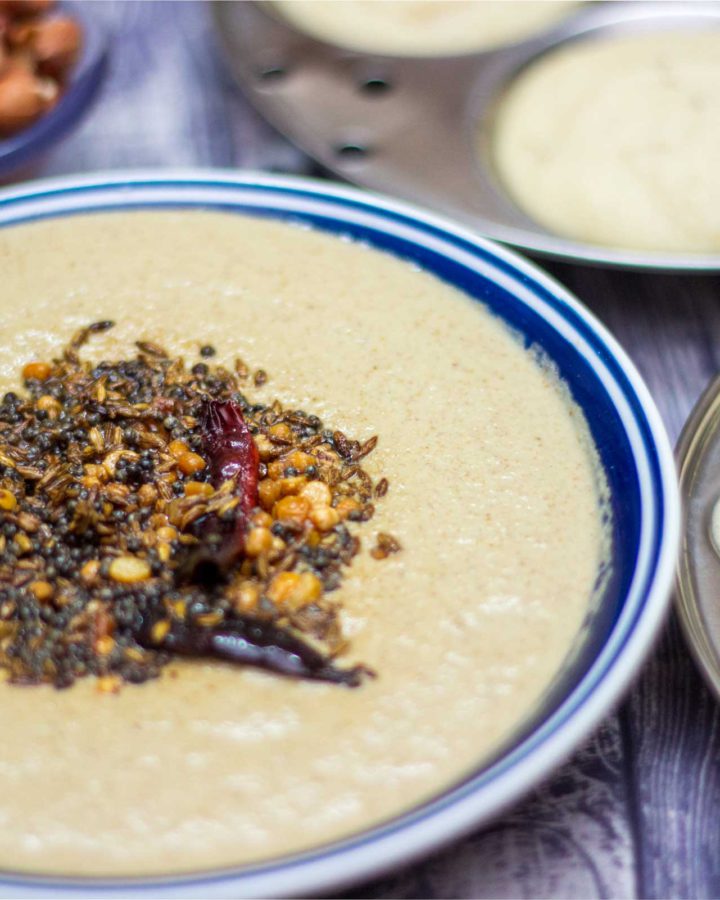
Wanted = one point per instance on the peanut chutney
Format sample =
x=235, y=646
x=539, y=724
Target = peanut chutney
x=486, y=484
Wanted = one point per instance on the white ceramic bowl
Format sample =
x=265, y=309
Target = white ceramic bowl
x=630, y=439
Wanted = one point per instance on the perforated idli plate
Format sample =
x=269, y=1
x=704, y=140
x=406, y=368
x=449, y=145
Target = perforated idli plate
x=409, y=126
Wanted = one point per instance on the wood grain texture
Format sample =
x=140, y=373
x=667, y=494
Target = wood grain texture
x=633, y=812
x=167, y=100
x=570, y=838
x=671, y=327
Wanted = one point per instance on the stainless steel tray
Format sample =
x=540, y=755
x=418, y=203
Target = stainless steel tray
x=698, y=581
x=409, y=126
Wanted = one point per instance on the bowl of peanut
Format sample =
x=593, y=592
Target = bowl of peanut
x=51, y=61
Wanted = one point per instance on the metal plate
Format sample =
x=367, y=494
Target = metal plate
x=698, y=595
x=409, y=126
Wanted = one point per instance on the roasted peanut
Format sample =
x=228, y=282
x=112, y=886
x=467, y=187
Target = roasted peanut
x=55, y=44
x=22, y=99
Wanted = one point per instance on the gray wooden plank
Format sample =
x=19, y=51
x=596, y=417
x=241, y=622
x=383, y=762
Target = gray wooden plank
x=570, y=838
x=166, y=99
x=674, y=727
x=671, y=326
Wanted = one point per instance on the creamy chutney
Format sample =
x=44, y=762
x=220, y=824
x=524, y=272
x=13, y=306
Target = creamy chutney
x=495, y=493
x=423, y=27
x=610, y=141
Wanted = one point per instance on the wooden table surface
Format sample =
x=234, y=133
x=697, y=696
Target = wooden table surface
x=634, y=812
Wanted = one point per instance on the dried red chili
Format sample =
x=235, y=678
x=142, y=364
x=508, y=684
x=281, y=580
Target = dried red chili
x=231, y=450
x=232, y=456
x=254, y=642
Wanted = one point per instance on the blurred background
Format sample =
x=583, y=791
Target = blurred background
x=165, y=98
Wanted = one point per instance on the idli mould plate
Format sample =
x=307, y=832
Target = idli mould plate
x=421, y=128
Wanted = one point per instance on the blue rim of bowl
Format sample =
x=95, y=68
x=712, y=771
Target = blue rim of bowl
x=20, y=149
x=485, y=793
